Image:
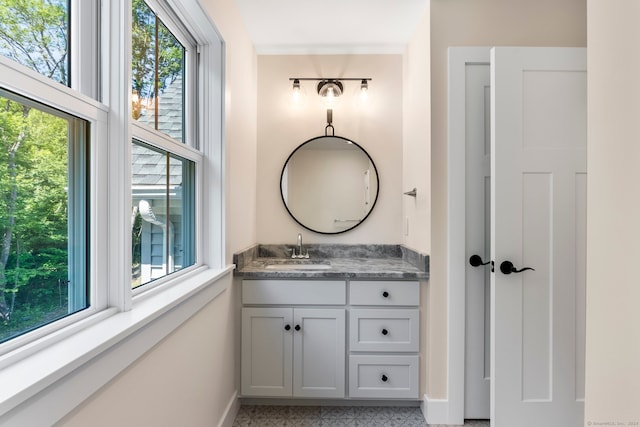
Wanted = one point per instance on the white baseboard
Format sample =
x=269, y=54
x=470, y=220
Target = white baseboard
x=437, y=411
x=230, y=411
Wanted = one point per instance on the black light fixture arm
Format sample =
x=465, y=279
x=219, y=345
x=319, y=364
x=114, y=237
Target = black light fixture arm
x=331, y=86
x=329, y=124
x=318, y=79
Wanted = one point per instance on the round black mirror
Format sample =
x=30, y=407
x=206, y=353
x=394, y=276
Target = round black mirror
x=329, y=184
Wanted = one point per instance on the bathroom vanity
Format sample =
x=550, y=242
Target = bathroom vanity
x=343, y=324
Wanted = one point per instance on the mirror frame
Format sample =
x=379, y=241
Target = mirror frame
x=348, y=141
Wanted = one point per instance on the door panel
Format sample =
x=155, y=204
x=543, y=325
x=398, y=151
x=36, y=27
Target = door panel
x=538, y=210
x=477, y=221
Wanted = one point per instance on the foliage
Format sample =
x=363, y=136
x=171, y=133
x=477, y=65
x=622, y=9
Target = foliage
x=33, y=154
x=35, y=33
x=33, y=172
x=34, y=273
x=157, y=57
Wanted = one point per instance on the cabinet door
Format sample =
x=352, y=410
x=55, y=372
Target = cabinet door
x=319, y=353
x=266, y=351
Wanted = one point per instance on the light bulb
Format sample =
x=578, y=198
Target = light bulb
x=330, y=93
x=364, y=90
x=295, y=93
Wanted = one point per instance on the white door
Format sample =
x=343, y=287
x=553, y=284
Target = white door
x=477, y=236
x=319, y=352
x=267, y=347
x=538, y=220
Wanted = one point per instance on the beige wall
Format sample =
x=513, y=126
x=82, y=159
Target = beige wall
x=416, y=169
x=190, y=377
x=375, y=125
x=416, y=153
x=240, y=125
x=477, y=23
x=186, y=380
x=613, y=292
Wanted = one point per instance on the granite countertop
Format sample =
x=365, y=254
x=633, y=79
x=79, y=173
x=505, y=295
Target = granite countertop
x=332, y=261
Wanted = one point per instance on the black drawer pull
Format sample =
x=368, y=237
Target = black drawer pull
x=297, y=328
x=384, y=332
x=384, y=378
x=385, y=294
x=287, y=327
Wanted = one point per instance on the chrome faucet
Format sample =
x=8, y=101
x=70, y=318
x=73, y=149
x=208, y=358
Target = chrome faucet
x=299, y=255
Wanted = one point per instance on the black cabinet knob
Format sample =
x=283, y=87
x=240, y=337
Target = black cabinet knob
x=385, y=294
x=384, y=332
x=297, y=327
x=287, y=327
x=384, y=378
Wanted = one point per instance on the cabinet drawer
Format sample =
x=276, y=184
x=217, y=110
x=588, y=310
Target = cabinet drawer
x=383, y=377
x=288, y=292
x=384, y=293
x=384, y=330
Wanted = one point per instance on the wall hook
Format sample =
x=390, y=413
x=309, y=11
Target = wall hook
x=412, y=193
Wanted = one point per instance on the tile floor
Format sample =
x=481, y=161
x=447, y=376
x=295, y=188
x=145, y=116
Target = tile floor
x=334, y=416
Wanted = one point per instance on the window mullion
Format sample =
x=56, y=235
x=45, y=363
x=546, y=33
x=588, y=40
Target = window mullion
x=115, y=268
x=85, y=47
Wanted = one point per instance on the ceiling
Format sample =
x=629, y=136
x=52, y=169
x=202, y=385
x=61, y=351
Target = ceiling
x=331, y=26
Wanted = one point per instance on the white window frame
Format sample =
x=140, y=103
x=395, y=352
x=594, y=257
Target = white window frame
x=50, y=374
x=32, y=85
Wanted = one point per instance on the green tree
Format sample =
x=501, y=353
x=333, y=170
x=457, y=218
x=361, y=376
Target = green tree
x=35, y=34
x=34, y=144
x=33, y=201
x=157, y=57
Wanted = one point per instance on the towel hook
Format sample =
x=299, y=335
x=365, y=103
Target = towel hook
x=412, y=193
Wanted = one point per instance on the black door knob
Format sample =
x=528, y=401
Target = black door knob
x=507, y=267
x=384, y=378
x=384, y=332
x=476, y=261
x=385, y=294
x=297, y=327
x=287, y=327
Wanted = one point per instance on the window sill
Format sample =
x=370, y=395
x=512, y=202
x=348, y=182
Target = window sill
x=27, y=383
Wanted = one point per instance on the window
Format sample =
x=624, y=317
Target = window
x=158, y=73
x=162, y=179
x=42, y=253
x=43, y=178
x=35, y=33
x=162, y=221
x=76, y=183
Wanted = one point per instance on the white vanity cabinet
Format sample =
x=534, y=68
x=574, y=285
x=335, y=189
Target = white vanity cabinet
x=295, y=335
x=384, y=339
x=292, y=346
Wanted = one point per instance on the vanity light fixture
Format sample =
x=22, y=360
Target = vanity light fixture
x=329, y=87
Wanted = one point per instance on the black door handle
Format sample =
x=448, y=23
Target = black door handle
x=476, y=261
x=507, y=268
x=297, y=327
x=287, y=327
